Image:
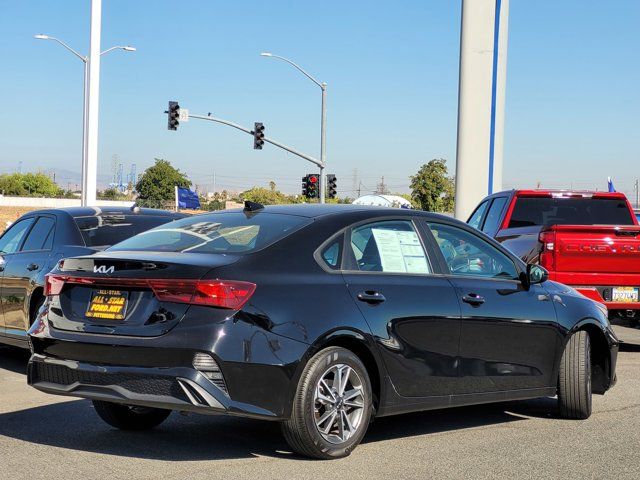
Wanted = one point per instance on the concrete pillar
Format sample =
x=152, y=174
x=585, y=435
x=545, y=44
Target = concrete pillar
x=481, y=97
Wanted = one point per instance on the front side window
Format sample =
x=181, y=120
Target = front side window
x=389, y=246
x=476, y=218
x=469, y=255
x=11, y=240
x=216, y=233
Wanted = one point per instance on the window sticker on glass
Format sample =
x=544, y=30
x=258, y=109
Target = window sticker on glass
x=400, y=251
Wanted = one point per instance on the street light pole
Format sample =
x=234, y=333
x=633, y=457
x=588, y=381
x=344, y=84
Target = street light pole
x=323, y=122
x=92, y=101
x=91, y=93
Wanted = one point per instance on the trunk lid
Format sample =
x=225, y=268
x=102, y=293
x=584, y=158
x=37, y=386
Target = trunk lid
x=127, y=293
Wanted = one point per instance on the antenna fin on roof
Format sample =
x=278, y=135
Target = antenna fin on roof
x=250, y=206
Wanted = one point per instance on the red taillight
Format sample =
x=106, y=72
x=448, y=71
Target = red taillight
x=223, y=293
x=547, y=240
x=53, y=284
x=231, y=294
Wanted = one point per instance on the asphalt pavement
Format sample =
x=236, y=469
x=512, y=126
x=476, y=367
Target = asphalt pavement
x=43, y=436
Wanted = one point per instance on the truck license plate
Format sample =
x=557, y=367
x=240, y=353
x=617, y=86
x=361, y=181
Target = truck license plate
x=625, y=295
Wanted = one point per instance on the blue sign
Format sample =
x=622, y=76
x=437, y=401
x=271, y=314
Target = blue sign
x=188, y=199
x=610, y=185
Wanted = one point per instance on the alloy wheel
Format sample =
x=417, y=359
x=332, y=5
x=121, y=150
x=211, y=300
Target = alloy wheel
x=339, y=401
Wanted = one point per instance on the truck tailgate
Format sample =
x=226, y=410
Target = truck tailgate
x=596, y=249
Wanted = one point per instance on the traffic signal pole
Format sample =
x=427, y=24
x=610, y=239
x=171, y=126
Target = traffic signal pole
x=292, y=150
x=323, y=143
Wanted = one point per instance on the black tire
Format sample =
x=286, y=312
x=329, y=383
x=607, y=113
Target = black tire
x=127, y=417
x=301, y=432
x=35, y=309
x=574, y=378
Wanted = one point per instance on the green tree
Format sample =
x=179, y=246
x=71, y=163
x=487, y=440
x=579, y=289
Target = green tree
x=431, y=188
x=157, y=185
x=29, y=184
x=268, y=196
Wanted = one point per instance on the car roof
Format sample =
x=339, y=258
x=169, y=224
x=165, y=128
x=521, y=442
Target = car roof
x=314, y=210
x=107, y=210
x=562, y=193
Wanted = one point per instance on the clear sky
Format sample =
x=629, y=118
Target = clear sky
x=573, y=95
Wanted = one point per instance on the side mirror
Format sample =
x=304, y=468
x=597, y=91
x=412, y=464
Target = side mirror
x=537, y=274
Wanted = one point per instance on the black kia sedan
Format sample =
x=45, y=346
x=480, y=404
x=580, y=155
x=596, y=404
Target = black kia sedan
x=34, y=243
x=319, y=317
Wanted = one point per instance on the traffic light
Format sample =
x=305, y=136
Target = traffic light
x=305, y=179
x=313, y=185
x=173, y=113
x=332, y=186
x=258, y=136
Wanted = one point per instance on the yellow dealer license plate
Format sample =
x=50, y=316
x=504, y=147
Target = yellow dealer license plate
x=625, y=295
x=108, y=304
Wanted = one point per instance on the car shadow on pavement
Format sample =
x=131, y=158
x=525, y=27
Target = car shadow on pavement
x=14, y=359
x=72, y=424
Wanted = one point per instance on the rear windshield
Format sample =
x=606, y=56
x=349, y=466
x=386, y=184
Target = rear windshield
x=217, y=233
x=530, y=211
x=108, y=229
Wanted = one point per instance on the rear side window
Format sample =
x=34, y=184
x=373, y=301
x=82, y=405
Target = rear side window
x=388, y=246
x=535, y=211
x=216, y=233
x=106, y=230
x=494, y=215
x=41, y=235
x=476, y=218
x=331, y=253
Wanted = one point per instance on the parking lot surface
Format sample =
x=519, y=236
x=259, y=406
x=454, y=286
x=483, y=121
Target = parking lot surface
x=43, y=436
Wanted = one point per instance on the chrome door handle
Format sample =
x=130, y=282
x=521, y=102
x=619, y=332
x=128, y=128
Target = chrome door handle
x=473, y=299
x=370, y=296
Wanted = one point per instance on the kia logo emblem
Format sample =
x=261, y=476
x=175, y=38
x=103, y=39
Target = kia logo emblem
x=103, y=269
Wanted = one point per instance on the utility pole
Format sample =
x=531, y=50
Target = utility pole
x=637, y=186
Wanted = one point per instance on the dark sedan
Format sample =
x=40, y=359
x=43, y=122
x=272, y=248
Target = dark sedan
x=35, y=242
x=319, y=317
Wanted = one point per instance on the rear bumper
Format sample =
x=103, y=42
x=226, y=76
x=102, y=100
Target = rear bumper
x=602, y=294
x=180, y=388
x=259, y=369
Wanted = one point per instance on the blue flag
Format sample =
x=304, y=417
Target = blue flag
x=188, y=199
x=610, y=185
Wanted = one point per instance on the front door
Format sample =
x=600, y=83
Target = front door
x=10, y=243
x=413, y=314
x=509, y=335
x=22, y=270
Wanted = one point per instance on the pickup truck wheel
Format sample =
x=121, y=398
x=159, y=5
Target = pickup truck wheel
x=128, y=417
x=574, y=378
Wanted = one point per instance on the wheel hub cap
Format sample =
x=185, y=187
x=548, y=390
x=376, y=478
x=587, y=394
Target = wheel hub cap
x=338, y=403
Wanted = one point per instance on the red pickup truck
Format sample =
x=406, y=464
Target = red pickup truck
x=588, y=240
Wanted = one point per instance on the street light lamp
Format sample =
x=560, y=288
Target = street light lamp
x=87, y=197
x=323, y=121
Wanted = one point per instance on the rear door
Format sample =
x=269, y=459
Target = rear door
x=10, y=243
x=412, y=312
x=509, y=336
x=21, y=273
